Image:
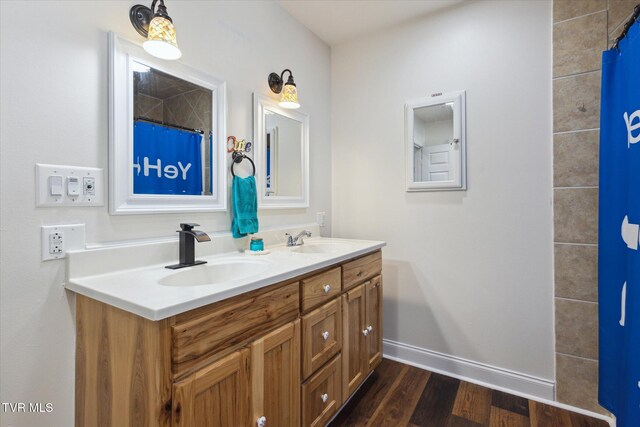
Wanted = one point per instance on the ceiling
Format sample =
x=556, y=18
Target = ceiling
x=336, y=21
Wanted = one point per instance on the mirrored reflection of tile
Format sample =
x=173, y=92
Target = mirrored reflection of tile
x=567, y=9
x=577, y=382
x=578, y=44
x=576, y=272
x=619, y=12
x=577, y=328
x=576, y=158
x=575, y=215
x=576, y=102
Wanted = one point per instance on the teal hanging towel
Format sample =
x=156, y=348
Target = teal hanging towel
x=244, y=206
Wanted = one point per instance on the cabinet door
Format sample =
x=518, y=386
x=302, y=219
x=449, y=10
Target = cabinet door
x=374, y=322
x=354, y=361
x=275, y=378
x=217, y=395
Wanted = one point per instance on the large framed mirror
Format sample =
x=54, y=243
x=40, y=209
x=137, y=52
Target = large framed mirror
x=167, y=128
x=281, y=139
x=435, y=143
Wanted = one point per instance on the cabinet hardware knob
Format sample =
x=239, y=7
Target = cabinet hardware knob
x=365, y=332
x=324, y=397
x=370, y=328
x=262, y=421
x=325, y=335
x=326, y=288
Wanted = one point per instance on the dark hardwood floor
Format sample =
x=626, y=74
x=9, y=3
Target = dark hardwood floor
x=401, y=395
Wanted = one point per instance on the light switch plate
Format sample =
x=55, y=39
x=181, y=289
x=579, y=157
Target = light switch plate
x=58, y=239
x=75, y=193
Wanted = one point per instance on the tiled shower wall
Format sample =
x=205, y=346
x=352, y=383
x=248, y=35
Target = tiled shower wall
x=582, y=29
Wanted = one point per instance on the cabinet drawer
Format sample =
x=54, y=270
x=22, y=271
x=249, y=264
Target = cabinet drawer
x=321, y=395
x=359, y=270
x=321, y=336
x=200, y=336
x=320, y=288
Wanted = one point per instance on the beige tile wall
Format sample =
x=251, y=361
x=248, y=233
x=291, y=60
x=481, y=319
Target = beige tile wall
x=582, y=29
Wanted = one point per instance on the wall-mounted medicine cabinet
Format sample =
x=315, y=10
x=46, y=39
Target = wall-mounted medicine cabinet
x=435, y=143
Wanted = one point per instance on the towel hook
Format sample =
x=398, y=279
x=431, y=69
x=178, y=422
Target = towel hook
x=237, y=157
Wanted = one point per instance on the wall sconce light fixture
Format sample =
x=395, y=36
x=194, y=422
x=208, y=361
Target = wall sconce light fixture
x=289, y=97
x=157, y=27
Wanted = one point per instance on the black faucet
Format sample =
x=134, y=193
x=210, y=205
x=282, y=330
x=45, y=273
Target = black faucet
x=187, y=245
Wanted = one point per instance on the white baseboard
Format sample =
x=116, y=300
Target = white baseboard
x=513, y=382
x=469, y=370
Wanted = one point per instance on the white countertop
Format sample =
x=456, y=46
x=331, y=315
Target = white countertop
x=139, y=290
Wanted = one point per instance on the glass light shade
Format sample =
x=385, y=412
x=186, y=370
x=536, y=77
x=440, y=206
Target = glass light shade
x=161, y=41
x=289, y=97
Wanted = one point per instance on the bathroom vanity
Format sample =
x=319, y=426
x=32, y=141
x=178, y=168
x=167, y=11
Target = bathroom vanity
x=285, y=347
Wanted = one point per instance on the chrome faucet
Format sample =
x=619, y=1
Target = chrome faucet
x=188, y=237
x=298, y=240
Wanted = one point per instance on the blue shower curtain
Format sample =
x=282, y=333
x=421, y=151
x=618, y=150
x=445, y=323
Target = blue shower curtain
x=619, y=237
x=166, y=160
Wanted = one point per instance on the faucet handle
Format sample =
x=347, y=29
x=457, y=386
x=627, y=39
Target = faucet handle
x=188, y=226
x=289, y=239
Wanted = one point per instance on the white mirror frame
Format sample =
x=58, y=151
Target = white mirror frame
x=259, y=131
x=121, y=198
x=459, y=181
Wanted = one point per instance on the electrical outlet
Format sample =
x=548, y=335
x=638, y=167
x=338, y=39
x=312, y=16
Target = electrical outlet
x=320, y=218
x=56, y=242
x=58, y=239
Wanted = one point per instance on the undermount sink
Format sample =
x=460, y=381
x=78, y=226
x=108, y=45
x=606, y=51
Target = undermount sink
x=310, y=247
x=216, y=272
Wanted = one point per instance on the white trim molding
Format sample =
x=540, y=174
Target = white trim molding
x=468, y=370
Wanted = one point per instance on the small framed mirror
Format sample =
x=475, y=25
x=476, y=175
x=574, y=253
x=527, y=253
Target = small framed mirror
x=435, y=143
x=167, y=130
x=281, y=139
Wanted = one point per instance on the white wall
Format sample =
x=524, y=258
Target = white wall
x=467, y=274
x=54, y=110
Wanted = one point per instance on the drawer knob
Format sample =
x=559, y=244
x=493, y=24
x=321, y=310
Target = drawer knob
x=365, y=332
x=370, y=328
x=326, y=289
x=324, y=397
x=262, y=421
x=325, y=335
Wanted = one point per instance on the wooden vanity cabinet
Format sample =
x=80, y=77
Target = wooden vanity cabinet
x=354, y=364
x=275, y=377
x=321, y=336
x=287, y=355
x=373, y=321
x=217, y=395
x=257, y=382
x=362, y=320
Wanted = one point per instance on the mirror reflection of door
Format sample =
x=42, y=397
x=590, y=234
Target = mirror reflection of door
x=172, y=144
x=433, y=143
x=283, y=174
